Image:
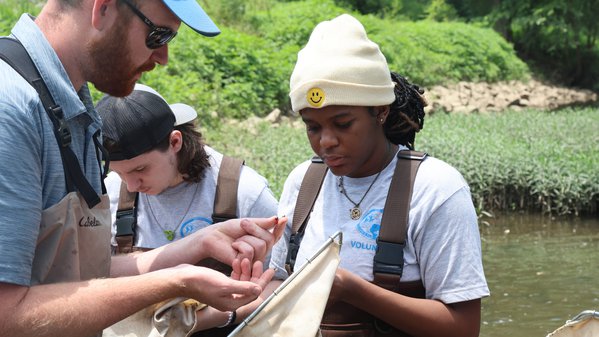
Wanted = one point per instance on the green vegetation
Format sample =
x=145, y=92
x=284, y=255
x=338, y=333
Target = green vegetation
x=559, y=38
x=235, y=74
x=272, y=151
x=11, y=10
x=530, y=160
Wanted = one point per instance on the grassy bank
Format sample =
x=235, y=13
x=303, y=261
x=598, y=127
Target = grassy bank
x=531, y=160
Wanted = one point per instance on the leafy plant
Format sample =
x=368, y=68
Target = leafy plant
x=560, y=38
x=439, y=52
x=382, y=8
x=234, y=74
x=11, y=11
x=439, y=10
x=525, y=160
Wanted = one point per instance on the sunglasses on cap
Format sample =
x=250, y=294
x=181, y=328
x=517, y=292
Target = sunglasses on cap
x=158, y=36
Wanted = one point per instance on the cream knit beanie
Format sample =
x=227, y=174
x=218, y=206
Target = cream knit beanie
x=340, y=66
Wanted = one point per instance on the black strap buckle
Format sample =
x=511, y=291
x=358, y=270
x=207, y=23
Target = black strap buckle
x=216, y=218
x=63, y=134
x=125, y=222
x=294, y=244
x=388, y=258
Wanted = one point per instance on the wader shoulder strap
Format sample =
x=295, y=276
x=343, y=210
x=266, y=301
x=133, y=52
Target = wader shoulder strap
x=225, y=203
x=126, y=199
x=225, y=200
x=307, y=194
x=15, y=55
x=388, y=260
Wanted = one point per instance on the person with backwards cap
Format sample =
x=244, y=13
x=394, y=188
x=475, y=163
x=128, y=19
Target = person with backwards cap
x=156, y=151
x=57, y=277
x=358, y=117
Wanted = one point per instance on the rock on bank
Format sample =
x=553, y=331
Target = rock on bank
x=467, y=97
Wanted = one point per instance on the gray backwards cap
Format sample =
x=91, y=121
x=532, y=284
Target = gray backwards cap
x=192, y=14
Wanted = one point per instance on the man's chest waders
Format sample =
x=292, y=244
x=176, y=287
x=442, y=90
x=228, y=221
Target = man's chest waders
x=74, y=237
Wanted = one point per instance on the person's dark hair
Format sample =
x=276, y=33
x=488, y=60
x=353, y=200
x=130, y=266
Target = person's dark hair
x=406, y=113
x=192, y=159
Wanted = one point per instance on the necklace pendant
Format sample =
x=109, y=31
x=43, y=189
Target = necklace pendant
x=355, y=213
x=170, y=235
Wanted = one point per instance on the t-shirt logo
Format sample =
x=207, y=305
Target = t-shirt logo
x=370, y=225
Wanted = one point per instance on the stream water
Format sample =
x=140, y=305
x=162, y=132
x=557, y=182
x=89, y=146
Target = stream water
x=541, y=272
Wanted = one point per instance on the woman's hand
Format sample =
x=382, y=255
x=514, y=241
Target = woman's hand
x=243, y=270
x=343, y=282
x=240, y=238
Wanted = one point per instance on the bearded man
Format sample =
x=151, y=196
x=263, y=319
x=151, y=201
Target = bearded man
x=57, y=277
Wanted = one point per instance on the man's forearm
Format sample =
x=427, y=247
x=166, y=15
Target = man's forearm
x=78, y=308
x=186, y=251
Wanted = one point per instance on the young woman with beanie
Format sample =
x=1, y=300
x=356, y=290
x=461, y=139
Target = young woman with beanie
x=358, y=116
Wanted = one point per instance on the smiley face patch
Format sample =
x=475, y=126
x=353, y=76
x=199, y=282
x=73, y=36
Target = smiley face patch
x=315, y=97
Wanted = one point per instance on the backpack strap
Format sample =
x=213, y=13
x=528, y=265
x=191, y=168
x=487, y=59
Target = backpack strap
x=388, y=259
x=227, y=184
x=15, y=55
x=308, y=192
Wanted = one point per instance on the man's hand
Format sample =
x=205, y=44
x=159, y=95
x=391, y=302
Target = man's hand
x=215, y=288
x=243, y=270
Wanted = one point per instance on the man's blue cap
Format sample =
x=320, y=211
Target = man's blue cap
x=192, y=14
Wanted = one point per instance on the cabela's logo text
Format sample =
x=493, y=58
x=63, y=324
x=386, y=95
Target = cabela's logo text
x=89, y=222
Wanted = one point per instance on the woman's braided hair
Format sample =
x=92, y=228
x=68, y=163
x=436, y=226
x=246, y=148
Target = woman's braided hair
x=406, y=115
